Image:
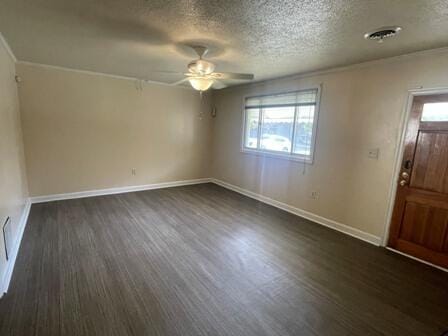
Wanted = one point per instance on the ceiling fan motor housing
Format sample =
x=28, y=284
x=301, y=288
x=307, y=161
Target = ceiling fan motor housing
x=201, y=67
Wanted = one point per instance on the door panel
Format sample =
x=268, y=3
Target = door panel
x=431, y=162
x=425, y=225
x=414, y=222
x=419, y=224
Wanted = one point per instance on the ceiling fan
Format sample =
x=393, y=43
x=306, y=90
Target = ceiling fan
x=201, y=73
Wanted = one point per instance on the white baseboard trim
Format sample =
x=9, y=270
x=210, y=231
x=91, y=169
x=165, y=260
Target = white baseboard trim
x=416, y=259
x=15, y=248
x=367, y=237
x=119, y=190
x=47, y=198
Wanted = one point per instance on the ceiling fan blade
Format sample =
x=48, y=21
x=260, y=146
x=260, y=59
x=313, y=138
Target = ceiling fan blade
x=217, y=85
x=231, y=75
x=179, y=82
x=168, y=72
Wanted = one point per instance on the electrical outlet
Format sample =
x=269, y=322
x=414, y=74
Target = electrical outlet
x=374, y=153
x=314, y=195
x=134, y=171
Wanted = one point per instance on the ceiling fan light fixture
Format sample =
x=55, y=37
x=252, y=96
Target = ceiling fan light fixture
x=200, y=83
x=201, y=73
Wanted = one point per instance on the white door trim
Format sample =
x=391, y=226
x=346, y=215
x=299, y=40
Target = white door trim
x=400, y=148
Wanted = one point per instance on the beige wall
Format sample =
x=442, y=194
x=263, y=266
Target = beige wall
x=13, y=188
x=360, y=109
x=85, y=132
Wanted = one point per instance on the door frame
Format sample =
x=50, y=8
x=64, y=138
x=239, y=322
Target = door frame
x=398, y=156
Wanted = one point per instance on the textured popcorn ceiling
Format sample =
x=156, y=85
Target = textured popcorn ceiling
x=137, y=38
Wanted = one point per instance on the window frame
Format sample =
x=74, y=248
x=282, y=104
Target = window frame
x=287, y=156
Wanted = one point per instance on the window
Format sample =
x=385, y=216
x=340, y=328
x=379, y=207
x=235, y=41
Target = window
x=282, y=124
x=435, y=112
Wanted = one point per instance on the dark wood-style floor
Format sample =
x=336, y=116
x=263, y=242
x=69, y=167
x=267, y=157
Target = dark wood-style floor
x=202, y=260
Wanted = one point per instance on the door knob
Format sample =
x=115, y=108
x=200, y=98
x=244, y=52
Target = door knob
x=404, y=175
x=403, y=183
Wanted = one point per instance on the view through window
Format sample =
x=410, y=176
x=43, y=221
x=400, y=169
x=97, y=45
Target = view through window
x=282, y=124
x=435, y=112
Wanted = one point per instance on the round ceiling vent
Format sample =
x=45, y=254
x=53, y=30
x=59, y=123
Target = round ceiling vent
x=382, y=33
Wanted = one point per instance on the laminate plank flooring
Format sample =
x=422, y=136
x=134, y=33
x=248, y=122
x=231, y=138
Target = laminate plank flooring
x=203, y=260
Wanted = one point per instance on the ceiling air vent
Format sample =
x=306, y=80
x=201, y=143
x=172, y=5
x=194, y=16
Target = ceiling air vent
x=382, y=33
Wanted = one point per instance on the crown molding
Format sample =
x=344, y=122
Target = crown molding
x=350, y=67
x=8, y=48
x=330, y=70
x=95, y=73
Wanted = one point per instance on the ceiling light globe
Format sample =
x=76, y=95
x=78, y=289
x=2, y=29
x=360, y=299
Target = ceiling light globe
x=200, y=83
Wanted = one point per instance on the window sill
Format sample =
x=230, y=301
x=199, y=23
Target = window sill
x=289, y=157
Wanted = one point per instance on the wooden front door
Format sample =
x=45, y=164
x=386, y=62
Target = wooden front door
x=419, y=224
